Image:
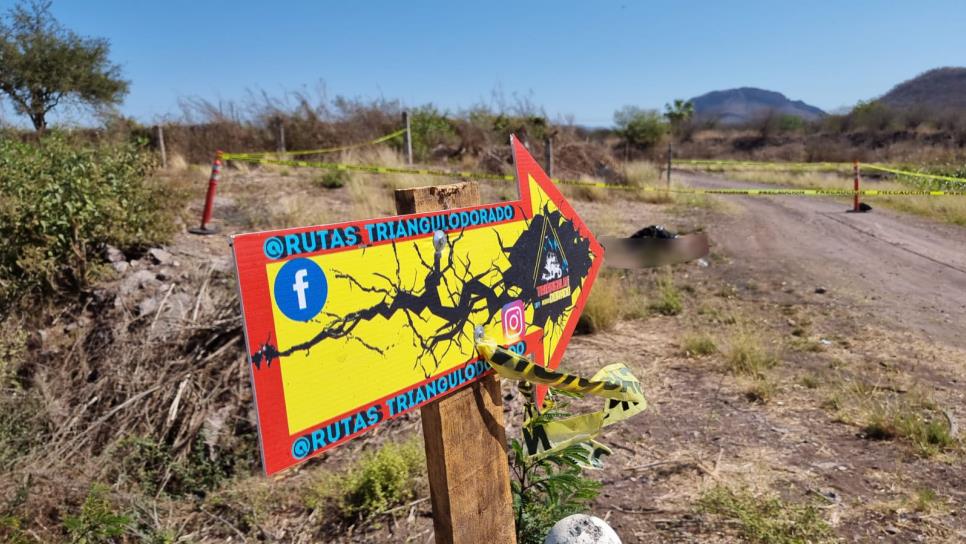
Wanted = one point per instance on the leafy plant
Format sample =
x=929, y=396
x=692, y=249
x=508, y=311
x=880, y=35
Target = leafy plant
x=62, y=203
x=548, y=488
x=97, y=521
x=639, y=128
x=668, y=301
x=332, y=179
x=380, y=480
x=157, y=469
x=430, y=128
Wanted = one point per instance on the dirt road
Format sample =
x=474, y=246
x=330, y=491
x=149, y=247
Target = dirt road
x=909, y=271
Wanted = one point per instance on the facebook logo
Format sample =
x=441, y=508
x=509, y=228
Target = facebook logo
x=300, y=289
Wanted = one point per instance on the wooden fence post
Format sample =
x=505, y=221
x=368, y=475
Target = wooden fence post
x=280, y=140
x=164, y=153
x=409, y=138
x=548, y=152
x=669, y=164
x=465, y=441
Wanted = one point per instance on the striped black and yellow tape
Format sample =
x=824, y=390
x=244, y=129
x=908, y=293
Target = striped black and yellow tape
x=517, y=367
x=614, y=382
x=375, y=169
x=267, y=154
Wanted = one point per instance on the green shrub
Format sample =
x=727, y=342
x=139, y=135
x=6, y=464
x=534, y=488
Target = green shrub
x=668, y=300
x=430, y=128
x=332, y=179
x=639, y=127
x=62, y=203
x=152, y=465
x=378, y=481
x=97, y=521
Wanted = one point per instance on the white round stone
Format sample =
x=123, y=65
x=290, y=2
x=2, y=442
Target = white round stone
x=582, y=529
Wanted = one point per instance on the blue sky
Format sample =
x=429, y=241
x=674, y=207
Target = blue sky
x=583, y=59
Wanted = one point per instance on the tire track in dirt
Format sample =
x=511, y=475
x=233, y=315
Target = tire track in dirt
x=905, y=270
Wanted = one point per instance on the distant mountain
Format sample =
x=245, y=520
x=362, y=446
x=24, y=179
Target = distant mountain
x=748, y=104
x=940, y=89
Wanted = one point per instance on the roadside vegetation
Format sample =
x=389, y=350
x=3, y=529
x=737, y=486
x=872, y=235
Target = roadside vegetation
x=884, y=412
x=766, y=519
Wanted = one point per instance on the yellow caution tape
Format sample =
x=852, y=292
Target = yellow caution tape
x=263, y=154
x=766, y=165
x=815, y=166
x=374, y=169
x=913, y=174
x=614, y=382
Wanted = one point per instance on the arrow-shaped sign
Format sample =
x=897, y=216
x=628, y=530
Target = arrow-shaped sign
x=348, y=325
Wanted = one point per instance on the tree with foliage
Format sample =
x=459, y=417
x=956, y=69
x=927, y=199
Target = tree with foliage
x=639, y=128
x=678, y=112
x=44, y=65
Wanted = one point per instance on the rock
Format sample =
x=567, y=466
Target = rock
x=142, y=279
x=115, y=255
x=160, y=256
x=582, y=529
x=120, y=266
x=703, y=263
x=37, y=339
x=147, y=306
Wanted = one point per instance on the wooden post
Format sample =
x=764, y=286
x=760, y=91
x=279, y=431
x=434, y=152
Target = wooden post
x=548, y=148
x=164, y=154
x=463, y=433
x=409, y=138
x=669, y=164
x=280, y=140
x=855, y=185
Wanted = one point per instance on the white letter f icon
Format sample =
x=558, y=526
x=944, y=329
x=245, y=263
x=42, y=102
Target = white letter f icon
x=300, y=286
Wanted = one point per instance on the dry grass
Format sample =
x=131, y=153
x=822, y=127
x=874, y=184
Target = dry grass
x=613, y=298
x=948, y=209
x=698, y=344
x=885, y=412
x=646, y=182
x=177, y=162
x=746, y=354
x=760, y=389
x=589, y=193
x=766, y=519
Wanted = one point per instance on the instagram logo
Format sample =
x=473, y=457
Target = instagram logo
x=514, y=321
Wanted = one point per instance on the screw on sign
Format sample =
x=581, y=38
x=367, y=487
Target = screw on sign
x=350, y=324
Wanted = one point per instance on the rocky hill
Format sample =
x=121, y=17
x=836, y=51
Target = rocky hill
x=748, y=104
x=940, y=89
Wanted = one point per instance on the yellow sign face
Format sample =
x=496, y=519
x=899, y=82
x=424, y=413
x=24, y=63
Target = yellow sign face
x=352, y=324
